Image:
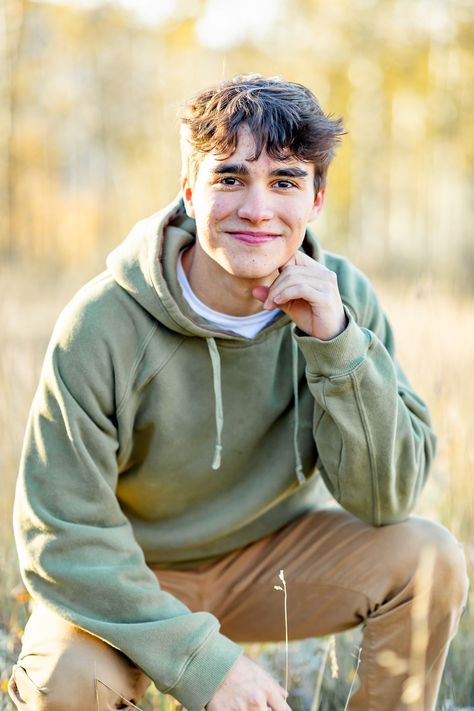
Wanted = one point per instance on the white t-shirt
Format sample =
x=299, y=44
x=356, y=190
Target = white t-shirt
x=247, y=326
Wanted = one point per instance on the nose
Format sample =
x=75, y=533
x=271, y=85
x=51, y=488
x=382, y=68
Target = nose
x=256, y=206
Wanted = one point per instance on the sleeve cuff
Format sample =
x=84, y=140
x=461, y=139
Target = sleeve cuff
x=338, y=356
x=206, y=672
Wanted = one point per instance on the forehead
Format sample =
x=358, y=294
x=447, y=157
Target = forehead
x=244, y=156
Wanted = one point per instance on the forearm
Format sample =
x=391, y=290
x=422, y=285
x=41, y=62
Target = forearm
x=372, y=432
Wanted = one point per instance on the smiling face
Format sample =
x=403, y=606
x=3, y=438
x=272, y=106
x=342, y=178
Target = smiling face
x=251, y=215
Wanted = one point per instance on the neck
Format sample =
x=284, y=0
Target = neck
x=218, y=289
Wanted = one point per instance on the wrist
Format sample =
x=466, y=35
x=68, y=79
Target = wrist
x=340, y=355
x=328, y=332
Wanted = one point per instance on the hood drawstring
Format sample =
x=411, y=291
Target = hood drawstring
x=216, y=376
x=294, y=361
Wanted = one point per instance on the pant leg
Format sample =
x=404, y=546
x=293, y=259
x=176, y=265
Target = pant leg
x=340, y=573
x=63, y=668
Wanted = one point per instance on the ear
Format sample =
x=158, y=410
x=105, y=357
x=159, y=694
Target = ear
x=187, y=196
x=317, y=205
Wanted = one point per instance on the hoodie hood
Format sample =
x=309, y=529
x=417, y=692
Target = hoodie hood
x=145, y=264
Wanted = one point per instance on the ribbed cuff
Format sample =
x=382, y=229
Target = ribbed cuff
x=337, y=356
x=206, y=672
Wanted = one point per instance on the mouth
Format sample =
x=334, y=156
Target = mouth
x=253, y=237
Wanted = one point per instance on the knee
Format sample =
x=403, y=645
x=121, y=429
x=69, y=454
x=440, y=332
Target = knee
x=432, y=551
x=66, y=686
x=449, y=571
x=86, y=676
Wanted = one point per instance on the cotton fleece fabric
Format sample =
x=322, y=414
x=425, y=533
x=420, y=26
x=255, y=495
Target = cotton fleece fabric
x=116, y=471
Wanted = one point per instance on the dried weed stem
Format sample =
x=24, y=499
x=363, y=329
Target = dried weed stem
x=283, y=589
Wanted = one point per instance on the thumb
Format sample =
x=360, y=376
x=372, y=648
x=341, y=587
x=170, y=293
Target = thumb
x=260, y=292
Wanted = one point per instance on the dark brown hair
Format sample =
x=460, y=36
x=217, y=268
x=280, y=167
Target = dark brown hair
x=285, y=119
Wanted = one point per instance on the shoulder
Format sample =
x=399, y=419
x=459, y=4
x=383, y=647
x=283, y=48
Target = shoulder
x=99, y=340
x=104, y=340
x=101, y=315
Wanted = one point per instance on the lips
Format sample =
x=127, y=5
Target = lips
x=253, y=237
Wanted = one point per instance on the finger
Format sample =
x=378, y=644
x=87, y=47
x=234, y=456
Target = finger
x=300, y=275
x=301, y=291
x=313, y=270
x=277, y=701
x=322, y=280
x=306, y=292
x=325, y=283
x=299, y=259
x=291, y=262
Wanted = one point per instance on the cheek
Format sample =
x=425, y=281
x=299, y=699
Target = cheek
x=221, y=206
x=297, y=220
x=213, y=208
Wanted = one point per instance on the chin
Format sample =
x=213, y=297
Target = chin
x=251, y=271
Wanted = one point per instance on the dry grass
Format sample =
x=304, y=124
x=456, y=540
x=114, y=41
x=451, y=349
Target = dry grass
x=435, y=336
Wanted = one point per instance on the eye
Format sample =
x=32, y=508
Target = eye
x=284, y=184
x=229, y=181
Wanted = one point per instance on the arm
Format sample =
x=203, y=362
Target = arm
x=76, y=548
x=373, y=434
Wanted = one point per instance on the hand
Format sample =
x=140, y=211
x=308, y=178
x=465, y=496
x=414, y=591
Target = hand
x=247, y=687
x=307, y=291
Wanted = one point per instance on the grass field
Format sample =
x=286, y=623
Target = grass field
x=435, y=335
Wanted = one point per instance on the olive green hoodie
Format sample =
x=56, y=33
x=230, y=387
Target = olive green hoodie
x=156, y=439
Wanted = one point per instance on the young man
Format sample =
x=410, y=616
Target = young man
x=193, y=398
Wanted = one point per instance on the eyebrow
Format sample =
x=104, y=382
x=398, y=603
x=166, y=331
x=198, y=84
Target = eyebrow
x=289, y=172
x=241, y=169
x=237, y=168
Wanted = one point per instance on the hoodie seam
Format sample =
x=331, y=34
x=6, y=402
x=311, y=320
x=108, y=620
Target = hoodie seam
x=162, y=365
x=134, y=367
x=337, y=493
x=370, y=450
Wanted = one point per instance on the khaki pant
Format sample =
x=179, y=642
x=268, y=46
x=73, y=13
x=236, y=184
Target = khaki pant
x=407, y=583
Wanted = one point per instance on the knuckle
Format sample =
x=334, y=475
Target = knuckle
x=255, y=699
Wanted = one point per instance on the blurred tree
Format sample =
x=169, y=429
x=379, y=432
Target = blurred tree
x=13, y=19
x=89, y=134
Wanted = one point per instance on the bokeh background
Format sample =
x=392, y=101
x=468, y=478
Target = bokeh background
x=89, y=92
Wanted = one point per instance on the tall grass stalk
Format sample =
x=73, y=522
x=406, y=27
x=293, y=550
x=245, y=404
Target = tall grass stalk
x=283, y=589
x=127, y=701
x=319, y=679
x=354, y=677
x=333, y=657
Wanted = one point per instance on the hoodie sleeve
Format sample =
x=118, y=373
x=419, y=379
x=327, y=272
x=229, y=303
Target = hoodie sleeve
x=76, y=548
x=372, y=431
